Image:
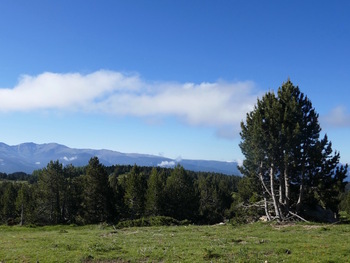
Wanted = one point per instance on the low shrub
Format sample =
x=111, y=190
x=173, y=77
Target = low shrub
x=152, y=221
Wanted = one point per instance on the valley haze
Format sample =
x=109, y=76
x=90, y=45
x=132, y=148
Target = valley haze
x=27, y=157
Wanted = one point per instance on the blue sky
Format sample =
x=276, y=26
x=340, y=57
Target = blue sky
x=171, y=78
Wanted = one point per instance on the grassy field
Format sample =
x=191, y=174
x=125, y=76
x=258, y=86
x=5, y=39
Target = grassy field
x=259, y=242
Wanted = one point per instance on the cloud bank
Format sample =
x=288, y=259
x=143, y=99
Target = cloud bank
x=167, y=164
x=220, y=104
x=337, y=118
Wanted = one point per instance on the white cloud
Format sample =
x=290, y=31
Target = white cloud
x=69, y=159
x=211, y=104
x=338, y=117
x=37, y=163
x=64, y=91
x=167, y=164
x=239, y=162
x=178, y=159
x=219, y=104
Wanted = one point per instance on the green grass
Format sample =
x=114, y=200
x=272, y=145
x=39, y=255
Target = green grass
x=259, y=242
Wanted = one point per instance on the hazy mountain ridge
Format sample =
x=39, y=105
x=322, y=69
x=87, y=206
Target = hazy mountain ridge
x=27, y=157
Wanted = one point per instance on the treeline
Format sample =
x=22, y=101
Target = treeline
x=92, y=194
x=17, y=176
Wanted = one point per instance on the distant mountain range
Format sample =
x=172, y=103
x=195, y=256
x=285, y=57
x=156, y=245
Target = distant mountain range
x=27, y=157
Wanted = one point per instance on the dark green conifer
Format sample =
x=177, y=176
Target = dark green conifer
x=97, y=194
x=284, y=154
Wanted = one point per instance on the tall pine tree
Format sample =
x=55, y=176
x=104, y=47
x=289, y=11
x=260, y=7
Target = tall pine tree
x=97, y=194
x=155, y=193
x=52, y=187
x=135, y=192
x=181, y=199
x=284, y=153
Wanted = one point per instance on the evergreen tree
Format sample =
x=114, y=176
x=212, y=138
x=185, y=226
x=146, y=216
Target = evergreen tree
x=9, y=202
x=25, y=204
x=117, y=183
x=97, y=194
x=135, y=192
x=248, y=193
x=345, y=200
x=52, y=187
x=155, y=193
x=182, y=202
x=280, y=140
x=73, y=193
x=215, y=193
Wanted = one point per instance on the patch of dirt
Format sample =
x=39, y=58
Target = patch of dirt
x=312, y=226
x=290, y=224
x=283, y=225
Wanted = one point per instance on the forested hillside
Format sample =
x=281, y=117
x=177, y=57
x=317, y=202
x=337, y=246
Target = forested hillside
x=61, y=194
x=95, y=193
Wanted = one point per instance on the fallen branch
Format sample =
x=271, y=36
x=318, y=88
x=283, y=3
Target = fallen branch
x=257, y=204
x=303, y=219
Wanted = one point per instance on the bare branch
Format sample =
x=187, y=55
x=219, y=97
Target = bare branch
x=298, y=217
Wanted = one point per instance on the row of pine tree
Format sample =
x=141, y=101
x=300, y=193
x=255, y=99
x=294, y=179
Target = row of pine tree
x=61, y=194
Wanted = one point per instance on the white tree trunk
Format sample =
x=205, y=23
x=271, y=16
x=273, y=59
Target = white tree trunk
x=266, y=206
x=273, y=193
x=287, y=189
x=265, y=188
x=301, y=193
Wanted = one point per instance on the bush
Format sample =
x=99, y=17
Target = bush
x=10, y=222
x=152, y=221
